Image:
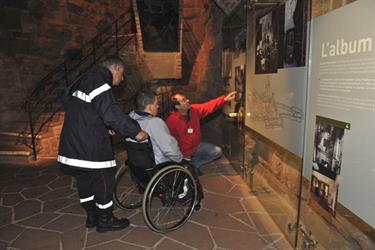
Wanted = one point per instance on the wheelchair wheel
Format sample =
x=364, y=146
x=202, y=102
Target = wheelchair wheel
x=169, y=199
x=128, y=194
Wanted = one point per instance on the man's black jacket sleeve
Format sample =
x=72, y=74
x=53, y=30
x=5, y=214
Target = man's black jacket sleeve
x=113, y=116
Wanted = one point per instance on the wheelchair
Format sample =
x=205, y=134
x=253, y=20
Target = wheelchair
x=168, y=193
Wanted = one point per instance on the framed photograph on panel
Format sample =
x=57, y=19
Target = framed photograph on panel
x=295, y=26
x=239, y=86
x=327, y=160
x=267, y=44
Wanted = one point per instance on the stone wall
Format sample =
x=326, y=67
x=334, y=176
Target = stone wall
x=205, y=20
x=36, y=35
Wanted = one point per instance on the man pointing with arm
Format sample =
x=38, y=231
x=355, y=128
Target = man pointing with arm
x=184, y=124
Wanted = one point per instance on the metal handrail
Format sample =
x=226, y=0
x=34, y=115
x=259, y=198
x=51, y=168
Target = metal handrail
x=45, y=96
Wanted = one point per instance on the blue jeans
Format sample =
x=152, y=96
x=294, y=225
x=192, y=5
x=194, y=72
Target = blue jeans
x=206, y=152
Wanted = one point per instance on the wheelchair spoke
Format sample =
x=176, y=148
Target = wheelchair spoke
x=170, y=198
x=127, y=193
x=173, y=211
x=163, y=218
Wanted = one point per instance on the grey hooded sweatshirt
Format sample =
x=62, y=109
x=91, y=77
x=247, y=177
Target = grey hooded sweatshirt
x=164, y=145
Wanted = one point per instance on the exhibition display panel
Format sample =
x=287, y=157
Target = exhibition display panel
x=309, y=120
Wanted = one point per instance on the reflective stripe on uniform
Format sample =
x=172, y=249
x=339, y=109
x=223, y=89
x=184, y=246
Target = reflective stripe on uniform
x=91, y=198
x=88, y=98
x=109, y=204
x=86, y=164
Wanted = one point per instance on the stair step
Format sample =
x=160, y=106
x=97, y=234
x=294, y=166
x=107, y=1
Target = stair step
x=16, y=159
x=15, y=150
x=14, y=153
x=16, y=134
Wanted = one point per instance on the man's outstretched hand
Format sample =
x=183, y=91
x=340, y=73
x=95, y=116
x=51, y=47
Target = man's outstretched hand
x=141, y=136
x=230, y=96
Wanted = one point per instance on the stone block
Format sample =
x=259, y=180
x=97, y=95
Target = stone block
x=52, y=5
x=58, y=33
x=12, y=46
x=74, y=8
x=189, y=4
x=191, y=13
x=19, y=4
x=10, y=19
x=36, y=9
x=74, y=19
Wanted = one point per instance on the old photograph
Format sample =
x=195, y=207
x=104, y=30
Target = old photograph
x=328, y=145
x=266, y=56
x=324, y=191
x=294, y=49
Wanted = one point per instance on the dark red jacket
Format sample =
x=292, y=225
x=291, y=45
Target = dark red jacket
x=188, y=132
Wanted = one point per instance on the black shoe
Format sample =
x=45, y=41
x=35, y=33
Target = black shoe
x=91, y=215
x=198, y=172
x=198, y=206
x=91, y=220
x=107, y=222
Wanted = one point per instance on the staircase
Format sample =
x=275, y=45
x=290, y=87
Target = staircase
x=11, y=150
x=38, y=136
x=16, y=147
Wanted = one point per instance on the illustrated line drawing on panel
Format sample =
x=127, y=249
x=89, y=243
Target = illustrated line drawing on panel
x=265, y=108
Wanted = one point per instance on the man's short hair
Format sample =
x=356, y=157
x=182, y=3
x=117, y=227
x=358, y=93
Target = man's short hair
x=145, y=98
x=112, y=60
x=174, y=100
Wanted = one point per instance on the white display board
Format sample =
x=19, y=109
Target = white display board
x=275, y=96
x=342, y=88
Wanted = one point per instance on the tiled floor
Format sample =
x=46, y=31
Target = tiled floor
x=39, y=210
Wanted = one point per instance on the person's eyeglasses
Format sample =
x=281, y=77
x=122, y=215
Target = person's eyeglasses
x=184, y=101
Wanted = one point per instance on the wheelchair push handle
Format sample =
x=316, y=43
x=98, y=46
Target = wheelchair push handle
x=141, y=136
x=145, y=138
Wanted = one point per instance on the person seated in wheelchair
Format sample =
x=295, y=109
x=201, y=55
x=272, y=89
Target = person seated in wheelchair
x=160, y=150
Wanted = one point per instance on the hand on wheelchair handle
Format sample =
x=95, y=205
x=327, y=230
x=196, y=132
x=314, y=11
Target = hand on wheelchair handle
x=141, y=136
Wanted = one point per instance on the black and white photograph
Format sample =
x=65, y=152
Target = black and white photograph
x=267, y=45
x=226, y=66
x=324, y=191
x=294, y=48
x=328, y=146
x=239, y=85
x=240, y=42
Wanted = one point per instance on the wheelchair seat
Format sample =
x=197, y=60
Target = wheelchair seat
x=140, y=160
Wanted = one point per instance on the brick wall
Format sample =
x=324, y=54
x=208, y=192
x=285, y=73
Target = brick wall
x=36, y=35
x=205, y=20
